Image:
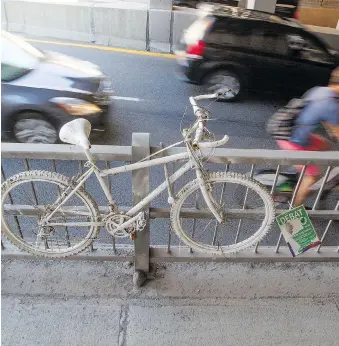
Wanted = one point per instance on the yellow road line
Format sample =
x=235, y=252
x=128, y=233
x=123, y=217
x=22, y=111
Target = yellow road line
x=106, y=48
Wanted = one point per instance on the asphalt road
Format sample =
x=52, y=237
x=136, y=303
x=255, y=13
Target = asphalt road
x=162, y=100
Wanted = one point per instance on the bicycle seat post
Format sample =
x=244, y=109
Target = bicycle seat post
x=89, y=156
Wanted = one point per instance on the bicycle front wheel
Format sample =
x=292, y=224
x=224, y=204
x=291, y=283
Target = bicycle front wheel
x=29, y=197
x=196, y=226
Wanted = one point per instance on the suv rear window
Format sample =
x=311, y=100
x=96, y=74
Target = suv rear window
x=248, y=35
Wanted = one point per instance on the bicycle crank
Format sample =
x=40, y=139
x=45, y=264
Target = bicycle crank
x=122, y=225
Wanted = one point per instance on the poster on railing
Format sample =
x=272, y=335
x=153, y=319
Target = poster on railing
x=298, y=231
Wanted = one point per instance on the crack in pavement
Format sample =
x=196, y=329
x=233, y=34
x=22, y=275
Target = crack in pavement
x=123, y=324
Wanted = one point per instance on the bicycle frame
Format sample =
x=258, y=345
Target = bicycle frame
x=131, y=167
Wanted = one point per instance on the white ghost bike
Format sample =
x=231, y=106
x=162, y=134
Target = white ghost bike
x=51, y=215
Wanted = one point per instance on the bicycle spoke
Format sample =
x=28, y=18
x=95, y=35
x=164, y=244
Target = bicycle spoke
x=216, y=228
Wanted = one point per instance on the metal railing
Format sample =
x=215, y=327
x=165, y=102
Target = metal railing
x=16, y=157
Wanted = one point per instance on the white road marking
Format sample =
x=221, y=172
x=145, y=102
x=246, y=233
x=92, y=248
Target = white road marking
x=133, y=99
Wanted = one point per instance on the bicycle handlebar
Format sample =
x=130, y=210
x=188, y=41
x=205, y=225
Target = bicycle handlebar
x=200, y=124
x=193, y=100
x=214, y=144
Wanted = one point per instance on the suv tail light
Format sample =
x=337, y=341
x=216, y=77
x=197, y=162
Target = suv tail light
x=196, y=49
x=194, y=36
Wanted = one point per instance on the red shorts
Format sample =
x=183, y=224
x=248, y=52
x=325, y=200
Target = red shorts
x=318, y=143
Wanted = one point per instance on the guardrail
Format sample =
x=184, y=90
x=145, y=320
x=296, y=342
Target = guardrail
x=16, y=157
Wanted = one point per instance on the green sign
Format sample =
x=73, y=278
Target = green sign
x=298, y=231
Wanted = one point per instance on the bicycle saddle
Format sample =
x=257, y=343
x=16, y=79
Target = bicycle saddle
x=76, y=132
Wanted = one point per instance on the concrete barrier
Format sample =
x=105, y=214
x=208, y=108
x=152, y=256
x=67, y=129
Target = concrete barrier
x=120, y=26
x=160, y=23
x=181, y=21
x=64, y=21
x=161, y=4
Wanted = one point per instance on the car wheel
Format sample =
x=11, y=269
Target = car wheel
x=222, y=80
x=34, y=128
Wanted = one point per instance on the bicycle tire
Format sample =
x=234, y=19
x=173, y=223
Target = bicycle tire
x=221, y=177
x=62, y=182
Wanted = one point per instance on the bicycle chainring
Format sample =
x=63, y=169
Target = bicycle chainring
x=113, y=220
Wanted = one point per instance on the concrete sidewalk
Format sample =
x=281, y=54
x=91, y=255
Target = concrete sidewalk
x=94, y=303
x=31, y=321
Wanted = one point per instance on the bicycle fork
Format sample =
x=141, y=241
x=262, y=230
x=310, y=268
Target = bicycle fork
x=208, y=196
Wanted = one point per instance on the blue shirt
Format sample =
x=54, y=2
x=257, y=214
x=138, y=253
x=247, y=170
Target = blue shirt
x=323, y=107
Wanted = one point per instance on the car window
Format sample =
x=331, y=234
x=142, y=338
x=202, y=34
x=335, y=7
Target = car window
x=304, y=48
x=17, y=57
x=249, y=35
x=274, y=41
x=235, y=33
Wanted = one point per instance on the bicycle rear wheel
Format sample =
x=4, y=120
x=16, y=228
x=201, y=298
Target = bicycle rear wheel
x=196, y=226
x=30, y=196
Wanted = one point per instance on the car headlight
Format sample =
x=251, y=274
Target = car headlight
x=75, y=106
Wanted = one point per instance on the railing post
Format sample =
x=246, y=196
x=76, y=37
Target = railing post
x=140, y=189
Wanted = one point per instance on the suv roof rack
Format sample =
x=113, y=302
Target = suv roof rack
x=205, y=9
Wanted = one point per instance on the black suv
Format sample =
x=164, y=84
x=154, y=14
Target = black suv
x=246, y=49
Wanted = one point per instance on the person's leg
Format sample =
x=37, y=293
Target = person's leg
x=312, y=173
x=304, y=188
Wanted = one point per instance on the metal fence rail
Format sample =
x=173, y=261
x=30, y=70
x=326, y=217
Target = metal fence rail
x=141, y=252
